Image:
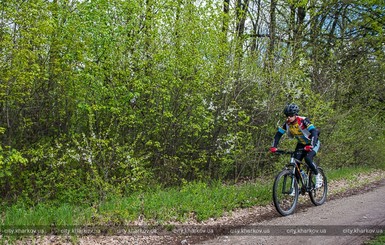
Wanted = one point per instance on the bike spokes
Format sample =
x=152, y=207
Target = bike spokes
x=318, y=195
x=285, y=193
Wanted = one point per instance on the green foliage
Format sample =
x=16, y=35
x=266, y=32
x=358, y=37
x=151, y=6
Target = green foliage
x=9, y=158
x=11, y=163
x=356, y=132
x=82, y=169
x=114, y=97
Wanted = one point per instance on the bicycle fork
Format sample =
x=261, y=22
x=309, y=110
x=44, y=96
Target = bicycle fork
x=295, y=164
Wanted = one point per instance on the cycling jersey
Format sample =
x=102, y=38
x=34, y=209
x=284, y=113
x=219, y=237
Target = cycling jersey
x=301, y=129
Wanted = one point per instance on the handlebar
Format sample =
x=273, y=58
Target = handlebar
x=282, y=152
x=285, y=152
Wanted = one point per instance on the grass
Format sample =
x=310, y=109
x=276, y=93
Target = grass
x=347, y=173
x=197, y=201
x=44, y=215
x=193, y=201
x=378, y=240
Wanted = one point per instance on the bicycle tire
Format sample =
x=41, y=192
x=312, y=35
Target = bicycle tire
x=284, y=202
x=318, y=195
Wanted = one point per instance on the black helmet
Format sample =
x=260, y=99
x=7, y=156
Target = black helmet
x=291, y=109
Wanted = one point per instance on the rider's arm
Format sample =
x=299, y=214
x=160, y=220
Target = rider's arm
x=313, y=131
x=278, y=135
x=314, y=136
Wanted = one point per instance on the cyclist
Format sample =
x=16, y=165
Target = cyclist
x=305, y=132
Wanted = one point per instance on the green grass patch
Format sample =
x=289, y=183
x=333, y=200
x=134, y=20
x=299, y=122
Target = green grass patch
x=45, y=215
x=193, y=201
x=198, y=201
x=348, y=173
x=378, y=240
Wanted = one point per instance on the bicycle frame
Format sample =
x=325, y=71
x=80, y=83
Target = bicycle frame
x=294, y=166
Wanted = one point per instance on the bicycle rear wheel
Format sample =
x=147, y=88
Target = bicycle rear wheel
x=318, y=195
x=285, y=192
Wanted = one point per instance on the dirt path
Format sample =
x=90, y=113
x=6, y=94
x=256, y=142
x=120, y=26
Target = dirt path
x=347, y=221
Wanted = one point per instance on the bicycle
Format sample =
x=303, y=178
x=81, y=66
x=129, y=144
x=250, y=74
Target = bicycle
x=286, y=185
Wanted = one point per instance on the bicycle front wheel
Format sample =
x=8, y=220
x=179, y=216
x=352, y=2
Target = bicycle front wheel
x=318, y=195
x=285, y=193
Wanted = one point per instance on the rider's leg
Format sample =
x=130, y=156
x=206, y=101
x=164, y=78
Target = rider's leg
x=309, y=158
x=299, y=155
x=309, y=161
